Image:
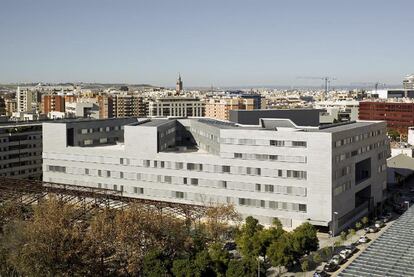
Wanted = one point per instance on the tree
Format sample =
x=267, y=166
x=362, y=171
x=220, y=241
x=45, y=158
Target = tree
x=244, y=267
x=217, y=221
x=246, y=239
x=51, y=243
x=219, y=258
x=351, y=232
x=305, y=239
x=317, y=259
x=365, y=221
x=393, y=134
x=343, y=235
x=280, y=252
x=183, y=268
x=358, y=225
x=305, y=266
x=155, y=264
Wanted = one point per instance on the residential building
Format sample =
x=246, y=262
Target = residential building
x=21, y=150
x=268, y=170
x=53, y=103
x=220, y=108
x=126, y=105
x=28, y=100
x=338, y=111
x=11, y=106
x=86, y=108
x=398, y=115
x=106, y=106
x=175, y=106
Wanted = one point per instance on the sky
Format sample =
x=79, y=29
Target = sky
x=214, y=42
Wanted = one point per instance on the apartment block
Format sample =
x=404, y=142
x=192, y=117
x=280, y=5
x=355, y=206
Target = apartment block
x=125, y=105
x=398, y=115
x=220, y=108
x=329, y=176
x=175, y=106
x=21, y=150
x=53, y=103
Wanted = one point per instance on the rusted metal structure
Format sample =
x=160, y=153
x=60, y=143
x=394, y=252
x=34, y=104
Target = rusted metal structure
x=29, y=192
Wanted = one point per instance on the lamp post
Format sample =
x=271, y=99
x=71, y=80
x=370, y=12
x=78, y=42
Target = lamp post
x=333, y=230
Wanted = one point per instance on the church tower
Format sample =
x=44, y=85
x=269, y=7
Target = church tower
x=179, y=84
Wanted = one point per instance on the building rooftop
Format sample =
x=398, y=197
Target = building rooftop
x=392, y=254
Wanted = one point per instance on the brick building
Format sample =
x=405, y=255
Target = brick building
x=398, y=115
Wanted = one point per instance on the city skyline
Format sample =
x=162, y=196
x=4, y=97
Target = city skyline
x=236, y=43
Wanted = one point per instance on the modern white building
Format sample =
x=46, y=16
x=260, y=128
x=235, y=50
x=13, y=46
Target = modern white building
x=329, y=176
x=175, y=106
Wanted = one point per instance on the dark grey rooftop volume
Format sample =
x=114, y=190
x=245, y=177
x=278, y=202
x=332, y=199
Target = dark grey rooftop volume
x=392, y=254
x=301, y=117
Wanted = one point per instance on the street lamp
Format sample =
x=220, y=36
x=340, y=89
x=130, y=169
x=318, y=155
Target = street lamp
x=333, y=231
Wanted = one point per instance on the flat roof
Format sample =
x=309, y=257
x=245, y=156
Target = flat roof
x=333, y=128
x=391, y=254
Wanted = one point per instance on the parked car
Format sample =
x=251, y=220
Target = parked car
x=351, y=248
x=336, y=259
x=379, y=224
x=330, y=267
x=320, y=273
x=373, y=229
x=363, y=239
x=345, y=254
x=385, y=218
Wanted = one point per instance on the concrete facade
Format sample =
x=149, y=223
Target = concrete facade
x=296, y=174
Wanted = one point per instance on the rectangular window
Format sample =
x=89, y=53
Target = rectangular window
x=238, y=155
x=222, y=184
x=168, y=179
x=100, y=173
x=299, y=143
x=194, y=181
x=269, y=188
x=108, y=173
x=138, y=190
x=302, y=208
x=121, y=175
x=185, y=181
x=179, y=194
x=86, y=171
x=226, y=169
x=279, y=143
x=258, y=187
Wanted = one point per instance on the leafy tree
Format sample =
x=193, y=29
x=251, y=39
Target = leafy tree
x=217, y=221
x=343, y=235
x=304, y=239
x=246, y=239
x=365, y=221
x=219, y=258
x=183, y=268
x=351, y=232
x=305, y=266
x=155, y=264
x=51, y=243
x=245, y=267
x=393, y=134
x=281, y=252
x=358, y=225
x=317, y=259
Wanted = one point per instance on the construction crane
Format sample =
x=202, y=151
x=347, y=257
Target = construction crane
x=375, y=85
x=327, y=81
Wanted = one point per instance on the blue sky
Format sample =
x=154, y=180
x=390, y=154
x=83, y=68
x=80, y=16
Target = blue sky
x=220, y=43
